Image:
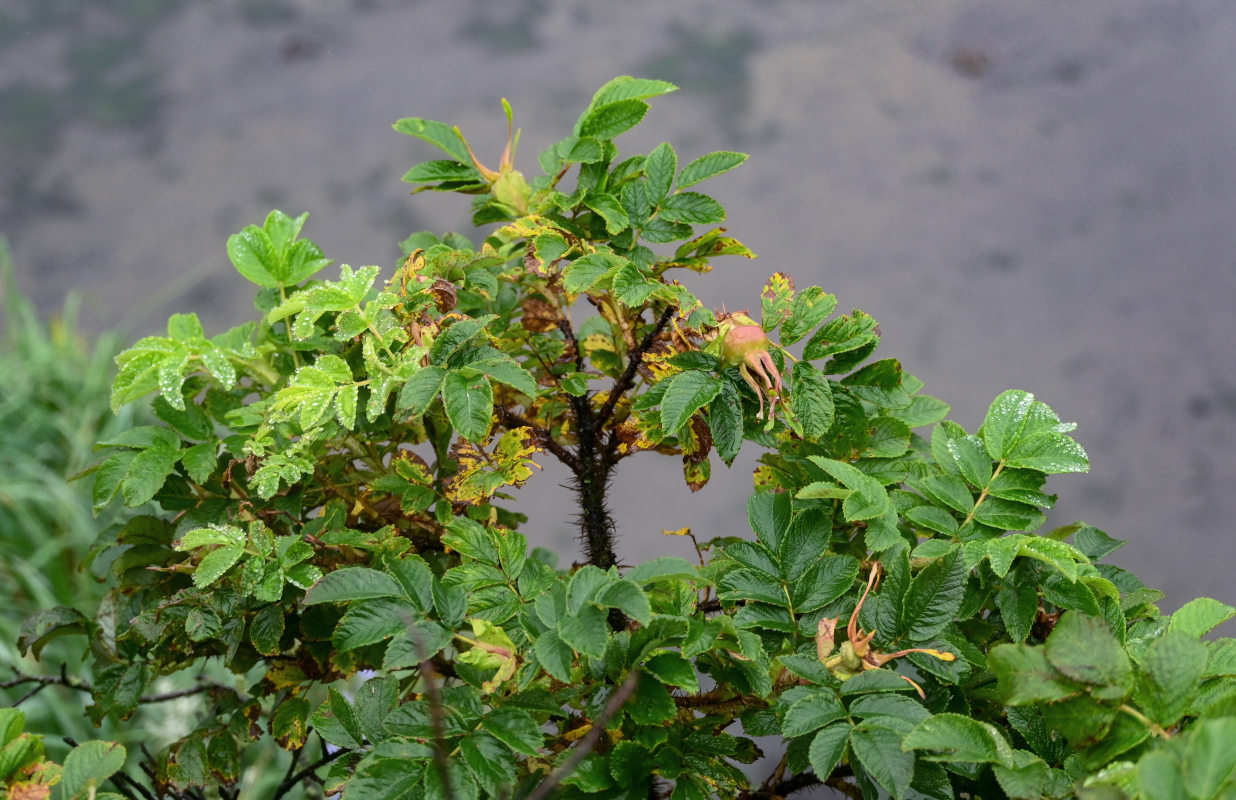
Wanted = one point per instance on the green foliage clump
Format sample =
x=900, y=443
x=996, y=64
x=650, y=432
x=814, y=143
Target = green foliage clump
x=336, y=527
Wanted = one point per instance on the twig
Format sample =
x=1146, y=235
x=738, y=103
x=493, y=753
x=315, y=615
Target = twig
x=63, y=679
x=591, y=739
x=290, y=781
x=634, y=358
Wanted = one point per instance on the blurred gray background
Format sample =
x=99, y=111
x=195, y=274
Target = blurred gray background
x=1026, y=194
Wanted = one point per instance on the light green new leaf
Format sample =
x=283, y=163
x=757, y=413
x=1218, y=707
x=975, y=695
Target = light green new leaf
x=709, y=166
x=625, y=87
x=688, y=392
x=436, y=133
x=469, y=401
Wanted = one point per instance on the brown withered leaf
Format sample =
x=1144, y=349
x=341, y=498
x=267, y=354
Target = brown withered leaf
x=696, y=442
x=539, y=316
x=445, y=295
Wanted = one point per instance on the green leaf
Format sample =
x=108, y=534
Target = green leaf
x=1199, y=616
x=1018, y=607
x=627, y=596
x=662, y=568
x=370, y=622
x=609, y=209
x=934, y=597
x=869, y=499
x=687, y=393
x=841, y=335
x=1159, y=778
x=420, y=390
x=352, y=583
x=1025, y=675
x=516, y=729
x=436, y=133
x=823, y=582
x=266, y=629
x=878, y=749
x=725, y=422
x=625, y=87
x=490, y=762
x=659, y=170
x=828, y=747
x=953, y=737
x=875, y=680
x=708, y=166
x=629, y=763
x=147, y=473
x=1005, y=419
x=215, y=563
x=810, y=307
x=1209, y=762
x=812, y=399
x=811, y=712
x=48, y=624
x=87, y=766
x=443, y=170
x=932, y=518
x=1025, y=778
x=582, y=274
x=1051, y=453
x=1084, y=648
x=586, y=631
x=455, y=337
x=555, y=655
x=674, y=670
x=469, y=402
x=691, y=208
x=1168, y=678
x=651, y=703
x=972, y=460
x=610, y=119
x=633, y=287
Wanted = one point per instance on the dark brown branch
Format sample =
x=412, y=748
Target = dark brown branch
x=634, y=358
x=291, y=781
x=591, y=739
x=63, y=679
